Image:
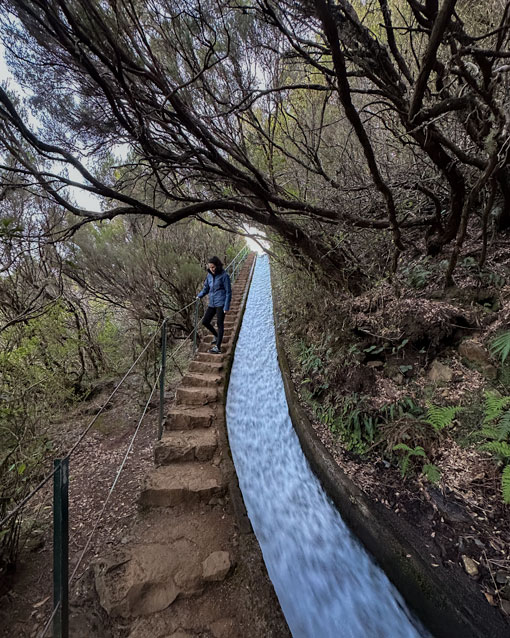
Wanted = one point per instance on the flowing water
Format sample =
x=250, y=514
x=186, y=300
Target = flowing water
x=327, y=584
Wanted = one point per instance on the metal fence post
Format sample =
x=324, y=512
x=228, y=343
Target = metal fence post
x=162, y=379
x=196, y=327
x=61, y=548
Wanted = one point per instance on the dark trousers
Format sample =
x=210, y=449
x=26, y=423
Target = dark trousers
x=220, y=316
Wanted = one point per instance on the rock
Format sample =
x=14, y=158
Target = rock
x=470, y=566
x=223, y=627
x=216, y=566
x=490, y=372
x=502, y=577
x=474, y=352
x=147, y=578
x=439, y=373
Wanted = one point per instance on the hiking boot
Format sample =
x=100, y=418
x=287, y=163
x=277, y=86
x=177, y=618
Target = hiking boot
x=215, y=350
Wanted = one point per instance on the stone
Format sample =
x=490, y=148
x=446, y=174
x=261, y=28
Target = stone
x=490, y=372
x=196, y=396
x=473, y=351
x=147, y=578
x=187, y=445
x=502, y=577
x=171, y=485
x=223, y=628
x=216, y=566
x=187, y=418
x=470, y=566
x=439, y=373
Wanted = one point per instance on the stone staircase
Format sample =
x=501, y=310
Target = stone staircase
x=171, y=577
x=187, y=457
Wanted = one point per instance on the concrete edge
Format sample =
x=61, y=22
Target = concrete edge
x=447, y=603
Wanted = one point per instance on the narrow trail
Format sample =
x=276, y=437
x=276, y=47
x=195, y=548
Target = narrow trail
x=327, y=584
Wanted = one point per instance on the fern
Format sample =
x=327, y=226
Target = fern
x=505, y=484
x=501, y=449
x=500, y=346
x=504, y=427
x=432, y=472
x=494, y=406
x=488, y=433
x=409, y=453
x=441, y=417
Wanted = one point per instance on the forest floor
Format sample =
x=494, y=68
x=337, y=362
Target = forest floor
x=26, y=607
x=368, y=376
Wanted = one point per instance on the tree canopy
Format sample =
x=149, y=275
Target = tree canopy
x=313, y=119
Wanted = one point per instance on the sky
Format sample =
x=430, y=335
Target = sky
x=82, y=198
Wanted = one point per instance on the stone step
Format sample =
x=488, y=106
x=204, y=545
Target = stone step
x=202, y=379
x=204, y=367
x=208, y=357
x=205, y=347
x=189, y=418
x=178, y=483
x=175, y=559
x=208, y=343
x=196, y=396
x=187, y=445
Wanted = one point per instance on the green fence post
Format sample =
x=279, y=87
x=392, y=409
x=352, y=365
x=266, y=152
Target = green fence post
x=61, y=548
x=196, y=327
x=162, y=379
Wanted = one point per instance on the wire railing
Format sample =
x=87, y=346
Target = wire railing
x=59, y=617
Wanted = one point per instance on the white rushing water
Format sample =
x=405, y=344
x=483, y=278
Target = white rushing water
x=327, y=584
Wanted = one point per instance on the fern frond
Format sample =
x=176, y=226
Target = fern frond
x=489, y=433
x=432, y=472
x=402, y=446
x=439, y=417
x=503, y=427
x=494, y=406
x=500, y=346
x=505, y=484
x=500, y=449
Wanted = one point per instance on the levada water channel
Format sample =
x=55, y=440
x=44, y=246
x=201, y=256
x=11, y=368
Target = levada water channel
x=327, y=584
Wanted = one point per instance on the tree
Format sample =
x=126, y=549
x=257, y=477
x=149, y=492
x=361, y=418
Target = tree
x=209, y=97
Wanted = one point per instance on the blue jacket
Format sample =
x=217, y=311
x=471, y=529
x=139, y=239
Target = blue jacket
x=219, y=290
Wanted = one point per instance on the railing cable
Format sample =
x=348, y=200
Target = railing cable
x=117, y=476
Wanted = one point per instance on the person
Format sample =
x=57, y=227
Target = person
x=217, y=286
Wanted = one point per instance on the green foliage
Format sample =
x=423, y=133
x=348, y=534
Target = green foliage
x=440, y=417
x=309, y=358
x=431, y=472
x=505, y=484
x=418, y=274
x=409, y=453
x=499, y=449
x=500, y=346
x=494, y=407
x=496, y=428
